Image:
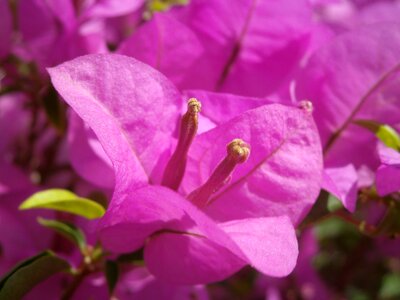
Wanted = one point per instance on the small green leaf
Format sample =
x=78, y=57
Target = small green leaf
x=334, y=203
x=68, y=230
x=29, y=273
x=385, y=133
x=66, y=201
x=390, y=288
x=163, y=5
x=112, y=273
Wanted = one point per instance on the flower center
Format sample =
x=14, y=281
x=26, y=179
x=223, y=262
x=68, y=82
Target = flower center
x=175, y=168
x=237, y=152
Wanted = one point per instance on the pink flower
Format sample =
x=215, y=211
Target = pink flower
x=245, y=47
x=228, y=212
x=354, y=77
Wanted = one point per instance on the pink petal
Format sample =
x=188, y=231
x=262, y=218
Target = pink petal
x=220, y=107
x=388, y=156
x=165, y=44
x=388, y=174
x=12, y=111
x=378, y=11
x=87, y=155
x=387, y=180
x=233, y=37
x=186, y=259
x=342, y=183
x=151, y=209
x=270, y=244
x=111, y=8
x=131, y=108
x=44, y=45
x=282, y=174
x=141, y=285
x=172, y=228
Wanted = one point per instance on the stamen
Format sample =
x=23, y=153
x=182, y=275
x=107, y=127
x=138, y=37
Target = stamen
x=237, y=152
x=175, y=168
x=306, y=105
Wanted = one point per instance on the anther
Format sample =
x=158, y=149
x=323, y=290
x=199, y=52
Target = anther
x=306, y=105
x=237, y=152
x=175, y=168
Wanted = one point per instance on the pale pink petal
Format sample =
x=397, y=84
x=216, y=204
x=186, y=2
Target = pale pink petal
x=165, y=44
x=131, y=108
x=270, y=244
x=282, y=174
x=342, y=183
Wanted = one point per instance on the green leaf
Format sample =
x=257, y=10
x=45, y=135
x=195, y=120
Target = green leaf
x=163, y=5
x=29, y=273
x=334, y=203
x=385, y=133
x=390, y=288
x=67, y=230
x=112, y=273
x=66, y=201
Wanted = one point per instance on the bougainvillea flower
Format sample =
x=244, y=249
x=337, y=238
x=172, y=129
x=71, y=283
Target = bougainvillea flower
x=388, y=174
x=250, y=47
x=349, y=79
x=5, y=28
x=134, y=111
